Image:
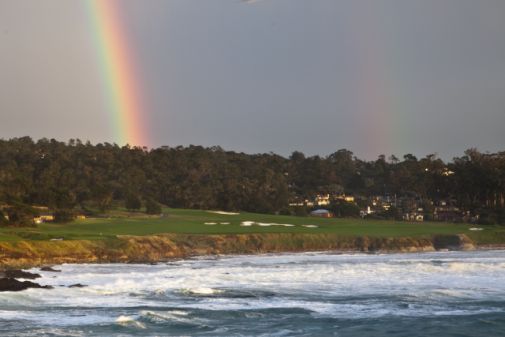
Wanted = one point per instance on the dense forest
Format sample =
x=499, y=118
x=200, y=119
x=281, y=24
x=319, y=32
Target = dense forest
x=77, y=175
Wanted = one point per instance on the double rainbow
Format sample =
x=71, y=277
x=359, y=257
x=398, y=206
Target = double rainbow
x=121, y=83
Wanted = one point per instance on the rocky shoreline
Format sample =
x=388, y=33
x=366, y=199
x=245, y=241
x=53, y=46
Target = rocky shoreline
x=159, y=248
x=156, y=248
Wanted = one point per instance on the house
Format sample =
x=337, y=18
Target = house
x=298, y=202
x=413, y=216
x=445, y=210
x=322, y=213
x=347, y=198
x=43, y=218
x=40, y=208
x=451, y=214
x=322, y=199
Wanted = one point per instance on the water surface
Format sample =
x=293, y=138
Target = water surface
x=310, y=294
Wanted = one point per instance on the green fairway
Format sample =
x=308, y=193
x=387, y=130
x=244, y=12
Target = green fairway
x=194, y=222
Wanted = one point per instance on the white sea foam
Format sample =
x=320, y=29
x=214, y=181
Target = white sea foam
x=129, y=321
x=124, y=319
x=200, y=291
x=414, y=285
x=50, y=331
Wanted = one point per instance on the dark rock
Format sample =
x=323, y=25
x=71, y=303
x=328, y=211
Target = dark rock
x=77, y=285
x=453, y=242
x=10, y=284
x=18, y=274
x=48, y=268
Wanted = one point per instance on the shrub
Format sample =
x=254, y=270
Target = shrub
x=487, y=217
x=300, y=211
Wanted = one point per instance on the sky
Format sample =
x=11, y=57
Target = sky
x=372, y=76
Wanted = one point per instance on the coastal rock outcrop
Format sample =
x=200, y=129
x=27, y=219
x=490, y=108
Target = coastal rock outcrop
x=453, y=242
x=50, y=269
x=11, y=284
x=15, y=273
x=163, y=247
x=77, y=285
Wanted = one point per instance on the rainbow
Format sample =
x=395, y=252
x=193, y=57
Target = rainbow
x=381, y=107
x=121, y=83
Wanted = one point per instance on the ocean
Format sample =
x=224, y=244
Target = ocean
x=308, y=294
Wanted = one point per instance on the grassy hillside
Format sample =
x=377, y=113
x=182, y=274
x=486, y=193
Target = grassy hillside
x=185, y=221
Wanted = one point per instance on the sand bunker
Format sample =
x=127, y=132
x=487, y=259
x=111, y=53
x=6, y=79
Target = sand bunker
x=224, y=213
x=261, y=224
x=215, y=223
x=264, y=224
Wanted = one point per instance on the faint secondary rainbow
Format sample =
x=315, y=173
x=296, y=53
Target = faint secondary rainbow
x=121, y=84
x=381, y=98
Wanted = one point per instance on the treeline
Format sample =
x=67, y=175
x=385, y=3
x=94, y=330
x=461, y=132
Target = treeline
x=75, y=174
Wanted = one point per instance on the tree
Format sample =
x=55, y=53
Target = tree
x=133, y=202
x=344, y=209
x=3, y=219
x=64, y=215
x=152, y=207
x=97, y=177
x=21, y=215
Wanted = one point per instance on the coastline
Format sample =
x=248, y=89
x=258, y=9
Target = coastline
x=165, y=247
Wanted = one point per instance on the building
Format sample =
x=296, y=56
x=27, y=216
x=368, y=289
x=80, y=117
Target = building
x=322, y=213
x=347, y=198
x=43, y=218
x=413, y=216
x=322, y=200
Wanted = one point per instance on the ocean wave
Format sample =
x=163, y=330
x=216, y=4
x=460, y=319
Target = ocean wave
x=200, y=291
x=207, y=293
x=129, y=321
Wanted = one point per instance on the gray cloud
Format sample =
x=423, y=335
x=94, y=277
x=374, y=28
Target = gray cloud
x=251, y=1
x=288, y=75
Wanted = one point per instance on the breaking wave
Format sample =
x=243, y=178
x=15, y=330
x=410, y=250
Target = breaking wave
x=300, y=294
